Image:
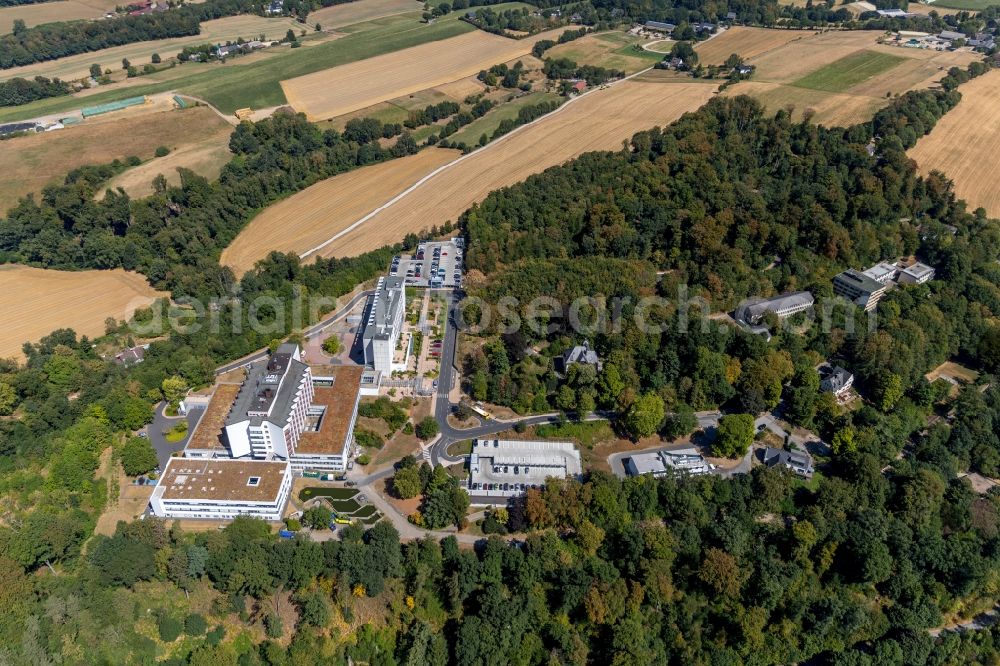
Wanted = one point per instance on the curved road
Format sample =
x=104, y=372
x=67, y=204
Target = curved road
x=311, y=331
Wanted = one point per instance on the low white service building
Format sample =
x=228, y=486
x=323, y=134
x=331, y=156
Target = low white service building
x=220, y=489
x=505, y=468
x=660, y=463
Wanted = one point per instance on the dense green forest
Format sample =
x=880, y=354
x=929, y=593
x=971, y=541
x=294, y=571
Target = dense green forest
x=853, y=567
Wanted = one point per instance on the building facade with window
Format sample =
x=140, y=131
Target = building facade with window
x=221, y=489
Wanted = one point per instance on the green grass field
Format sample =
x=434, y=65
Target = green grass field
x=849, y=71
x=491, y=120
x=257, y=85
x=333, y=493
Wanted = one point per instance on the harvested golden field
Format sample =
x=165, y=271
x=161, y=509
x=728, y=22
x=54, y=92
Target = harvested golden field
x=776, y=82
x=219, y=30
x=339, y=90
x=459, y=90
x=36, y=302
x=338, y=16
x=205, y=156
x=31, y=162
x=965, y=142
x=311, y=216
x=747, y=42
x=600, y=120
x=826, y=108
x=50, y=12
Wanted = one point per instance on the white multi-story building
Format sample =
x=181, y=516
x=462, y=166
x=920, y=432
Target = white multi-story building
x=270, y=411
x=783, y=306
x=221, y=489
x=384, y=325
x=286, y=416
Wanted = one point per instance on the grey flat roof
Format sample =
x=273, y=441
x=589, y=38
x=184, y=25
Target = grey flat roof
x=789, y=300
x=859, y=280
x=386, y=302
x=269, y=389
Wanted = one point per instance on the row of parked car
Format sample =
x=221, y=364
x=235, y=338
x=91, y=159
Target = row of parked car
x=504, y=487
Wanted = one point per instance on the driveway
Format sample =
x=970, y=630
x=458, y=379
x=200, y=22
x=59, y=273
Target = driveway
x=162, y=423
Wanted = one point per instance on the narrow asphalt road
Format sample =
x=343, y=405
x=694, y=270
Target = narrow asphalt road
x=313, y=330
x=161, y=424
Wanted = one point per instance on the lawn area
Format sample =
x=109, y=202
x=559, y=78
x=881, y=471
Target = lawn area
x=614, y=50
x=345, y=505
x=491, y=120
x=849, y=71
x=462, y=448
x=332, y=493
x=587, y=434
x=257, y=84
x=366, y=511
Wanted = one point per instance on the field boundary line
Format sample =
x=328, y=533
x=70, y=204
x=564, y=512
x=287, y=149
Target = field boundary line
x=441, y=169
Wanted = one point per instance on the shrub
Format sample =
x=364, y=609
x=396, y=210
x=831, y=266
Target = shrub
x=162, y=151
x=332, y=345
x=195, y=625
x=368, y=439
x=364, y=459
x=215, y=636
x=169, y=628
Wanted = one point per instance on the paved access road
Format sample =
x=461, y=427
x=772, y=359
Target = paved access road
x=315, y=329
x=162, y=423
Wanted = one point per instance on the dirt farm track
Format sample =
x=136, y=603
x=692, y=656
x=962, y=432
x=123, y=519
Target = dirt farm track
x=339, y=90
x=965, y=141
x=37, y=301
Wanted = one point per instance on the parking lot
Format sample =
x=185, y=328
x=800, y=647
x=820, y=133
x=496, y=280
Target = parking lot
x=437, y=265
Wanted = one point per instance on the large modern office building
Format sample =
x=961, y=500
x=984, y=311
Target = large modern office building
x=285, y=417
x=384, y=325
x=222, y=489
x=861, y=289
x=270, y=410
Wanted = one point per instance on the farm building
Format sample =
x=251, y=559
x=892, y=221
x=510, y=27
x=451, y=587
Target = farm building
x=14, y=128
x=112, y=106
